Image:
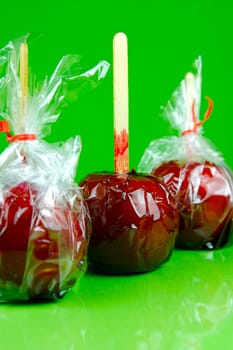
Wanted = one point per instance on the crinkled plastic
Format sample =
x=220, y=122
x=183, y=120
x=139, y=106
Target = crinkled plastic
x=44, y=222
x=193, y=170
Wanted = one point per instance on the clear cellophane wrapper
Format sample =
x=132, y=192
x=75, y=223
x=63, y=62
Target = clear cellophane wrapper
x=44, y=222
x=193, y=170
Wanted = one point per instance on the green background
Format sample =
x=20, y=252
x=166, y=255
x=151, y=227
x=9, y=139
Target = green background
x=187, y=303
x=164, y=38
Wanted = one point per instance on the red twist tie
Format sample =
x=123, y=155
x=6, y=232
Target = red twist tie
x=4, y=127
x=196, y=123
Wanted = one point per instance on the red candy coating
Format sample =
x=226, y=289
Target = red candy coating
x=134, y=221
x=204, y=195
x=42, y=247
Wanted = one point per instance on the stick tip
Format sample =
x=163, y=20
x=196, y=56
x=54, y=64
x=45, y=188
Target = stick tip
x=120, y=37
x=23, y=47
x=190, y=79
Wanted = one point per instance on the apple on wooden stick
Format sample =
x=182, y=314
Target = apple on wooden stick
x=134, y=217
x=43, y=226
x=203, y=189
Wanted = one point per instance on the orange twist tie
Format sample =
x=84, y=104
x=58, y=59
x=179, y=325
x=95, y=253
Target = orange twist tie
x=197, y=123
x=4, y=127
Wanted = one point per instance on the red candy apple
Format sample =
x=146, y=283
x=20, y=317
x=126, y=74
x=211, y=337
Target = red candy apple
x=44, y=221
x=134, y=220
x=192, y=170
x=42, y=245
x=204, y=194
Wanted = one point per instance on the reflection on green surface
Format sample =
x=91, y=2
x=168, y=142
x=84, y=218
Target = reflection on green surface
x=186, y=304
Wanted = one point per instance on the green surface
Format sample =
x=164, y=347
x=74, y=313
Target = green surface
x=186, y=304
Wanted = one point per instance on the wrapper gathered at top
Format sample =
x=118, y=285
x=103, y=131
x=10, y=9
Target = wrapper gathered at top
x=44, y=222
x=193, y=170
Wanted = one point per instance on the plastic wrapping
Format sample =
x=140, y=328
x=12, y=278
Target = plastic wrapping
x=134, y=220
x=193, y=170
x=44, y=222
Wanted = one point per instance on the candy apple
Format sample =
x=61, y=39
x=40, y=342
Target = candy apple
x=134, y=217
x=42, y=245
x=134, y=222
x=204, y=194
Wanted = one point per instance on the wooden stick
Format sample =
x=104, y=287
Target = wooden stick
x=189, y=123
x=120, y=92
x=190, y=99
x=23, y=81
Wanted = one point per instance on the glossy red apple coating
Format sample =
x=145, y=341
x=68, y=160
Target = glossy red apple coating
x=42, y=248
x=204, y=194
x=134, y=222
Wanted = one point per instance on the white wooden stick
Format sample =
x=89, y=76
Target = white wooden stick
x=190, y=99
x=23, y=81
x=120, y=91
